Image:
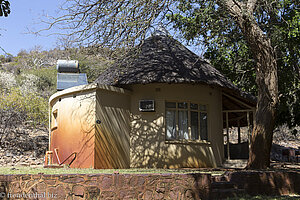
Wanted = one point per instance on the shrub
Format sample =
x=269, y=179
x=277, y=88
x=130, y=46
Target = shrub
x=17, y=108
x=7, y=80
x=46, y=81
x=28, y=83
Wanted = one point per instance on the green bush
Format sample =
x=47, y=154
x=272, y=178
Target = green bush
x=46, y=82
x=23, y=107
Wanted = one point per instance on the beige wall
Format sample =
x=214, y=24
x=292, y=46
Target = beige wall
x=148, y=145
x=112, y=135
x=75, y=127
x=127, y=137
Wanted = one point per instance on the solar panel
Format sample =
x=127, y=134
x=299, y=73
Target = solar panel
x=67, y=80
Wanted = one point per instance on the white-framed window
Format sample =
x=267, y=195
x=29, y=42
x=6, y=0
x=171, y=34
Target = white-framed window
x=186, y=121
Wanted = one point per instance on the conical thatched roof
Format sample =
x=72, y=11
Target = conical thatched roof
x=162, y=59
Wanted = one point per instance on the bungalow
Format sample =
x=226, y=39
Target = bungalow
x=160, y=107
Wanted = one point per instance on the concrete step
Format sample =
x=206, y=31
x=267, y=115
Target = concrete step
x=235, y=164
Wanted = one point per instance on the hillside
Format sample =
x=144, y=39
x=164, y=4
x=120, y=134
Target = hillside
x=26, y=83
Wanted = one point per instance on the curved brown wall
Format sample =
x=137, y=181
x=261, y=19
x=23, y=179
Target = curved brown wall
x=75, y=130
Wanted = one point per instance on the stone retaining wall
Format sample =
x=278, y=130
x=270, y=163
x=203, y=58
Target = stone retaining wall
x=142, y=186
x=268, y=183
x=106, y=186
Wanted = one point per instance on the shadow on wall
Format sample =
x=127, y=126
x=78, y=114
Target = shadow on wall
x=112, y=131
x=149, y=149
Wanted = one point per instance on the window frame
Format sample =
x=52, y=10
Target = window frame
x=189, y=110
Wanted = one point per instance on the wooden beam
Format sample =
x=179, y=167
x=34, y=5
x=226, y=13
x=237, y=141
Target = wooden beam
x=235, y=99
x=237, y=118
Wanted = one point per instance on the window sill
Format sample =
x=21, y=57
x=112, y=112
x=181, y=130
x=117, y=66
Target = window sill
x=196, y=142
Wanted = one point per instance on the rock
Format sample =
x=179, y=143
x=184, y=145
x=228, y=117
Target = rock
x=24, y=164
x=8, y=154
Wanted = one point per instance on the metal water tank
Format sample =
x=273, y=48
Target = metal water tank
x=67, y=66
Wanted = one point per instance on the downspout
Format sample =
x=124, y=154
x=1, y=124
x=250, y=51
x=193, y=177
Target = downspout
x=49, y=126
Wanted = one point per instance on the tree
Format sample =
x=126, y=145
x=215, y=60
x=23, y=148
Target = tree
x=118, y=23
x=266, y=78
x=111, y=23
x=4, y=8
x=234, y=59
x=256, y=24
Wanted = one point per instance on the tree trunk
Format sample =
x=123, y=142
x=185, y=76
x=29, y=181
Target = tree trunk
x=267, y=82
x=266, y=79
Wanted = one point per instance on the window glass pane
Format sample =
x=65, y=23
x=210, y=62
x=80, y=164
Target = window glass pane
x=182, y=105
x=203, y=107
x=170, y=124
x=203, y=126
x=194, y=125
x=183, y=125
x=170, y=105
x=194, y=106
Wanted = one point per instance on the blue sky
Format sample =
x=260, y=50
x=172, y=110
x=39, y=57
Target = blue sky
x=25, y=15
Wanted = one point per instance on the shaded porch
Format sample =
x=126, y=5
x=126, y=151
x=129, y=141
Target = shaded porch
x=238, y=121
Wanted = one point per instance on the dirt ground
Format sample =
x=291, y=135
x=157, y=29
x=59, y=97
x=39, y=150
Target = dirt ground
x=26, y=146
x=286, y=144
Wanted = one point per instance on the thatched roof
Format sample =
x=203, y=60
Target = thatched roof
x=162, y=59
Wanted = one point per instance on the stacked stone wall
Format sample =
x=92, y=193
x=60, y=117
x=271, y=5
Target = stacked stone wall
x=144, y=186
x=106, y=186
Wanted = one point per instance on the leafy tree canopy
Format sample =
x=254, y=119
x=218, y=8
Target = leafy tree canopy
x=4, y=8
x=227, y=49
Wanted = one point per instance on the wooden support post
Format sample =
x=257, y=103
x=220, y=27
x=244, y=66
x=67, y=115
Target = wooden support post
x=239, y=132
x=249, y=132
x=227, y=136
